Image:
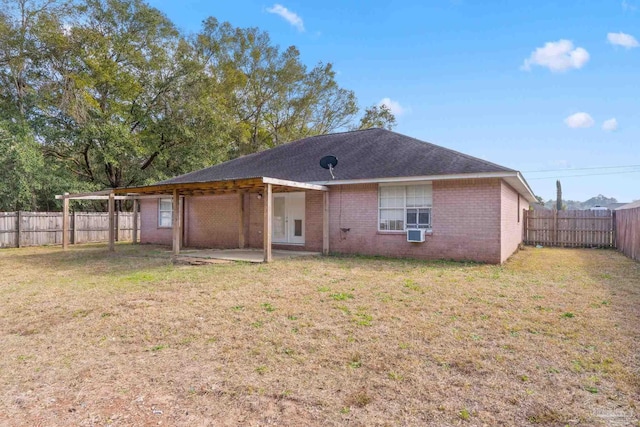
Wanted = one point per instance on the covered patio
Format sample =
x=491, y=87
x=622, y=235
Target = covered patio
x=265, y=186
x=244, y=255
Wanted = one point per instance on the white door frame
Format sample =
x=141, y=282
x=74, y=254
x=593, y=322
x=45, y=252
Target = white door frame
x=291, y=227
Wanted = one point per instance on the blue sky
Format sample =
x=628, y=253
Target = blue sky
x=535, y=86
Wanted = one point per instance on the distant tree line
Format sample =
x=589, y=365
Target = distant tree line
x=108, y=93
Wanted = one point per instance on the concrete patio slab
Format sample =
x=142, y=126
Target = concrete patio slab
x=246, y=255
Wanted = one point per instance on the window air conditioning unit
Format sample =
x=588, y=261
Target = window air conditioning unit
x=415, y=235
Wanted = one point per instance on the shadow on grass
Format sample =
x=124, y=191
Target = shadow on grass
x=379, y=260
x=125, y=259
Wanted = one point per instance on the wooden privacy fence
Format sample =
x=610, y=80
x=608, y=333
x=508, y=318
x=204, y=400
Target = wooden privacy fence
x=628, y=232
x=575, y=229
x=19, y=229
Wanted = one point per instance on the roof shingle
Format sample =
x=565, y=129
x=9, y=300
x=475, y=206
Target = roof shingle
x=364, y=154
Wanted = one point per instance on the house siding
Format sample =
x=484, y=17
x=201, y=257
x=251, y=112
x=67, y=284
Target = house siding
x=472, y=219
x=212, y=221
x=511, y=220
x=465, y=222
x=149, y=230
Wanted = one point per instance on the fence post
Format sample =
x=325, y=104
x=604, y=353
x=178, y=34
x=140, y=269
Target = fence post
x=65, y=221
x=111, y=222
x=614, y=231
x=18, y=225
x=73, y=228
x=118, y=207
x=555, y=227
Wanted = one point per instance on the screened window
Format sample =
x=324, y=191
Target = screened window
x=165, y=212
x=404, y=206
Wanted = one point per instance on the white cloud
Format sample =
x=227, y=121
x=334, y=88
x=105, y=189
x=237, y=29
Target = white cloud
x=395, y=107
x=610, y=125
x=289, y=16
x=622, y=39
x=557, y=56
x=628, y=6
x=579, y=120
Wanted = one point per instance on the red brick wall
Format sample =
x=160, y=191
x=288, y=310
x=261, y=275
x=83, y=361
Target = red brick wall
x=511, y=220
x=149, y=231
x=472, y=220
x=212, y=221
x=466, y=223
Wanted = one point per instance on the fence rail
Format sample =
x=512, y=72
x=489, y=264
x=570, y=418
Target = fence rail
x=19, y=229
x=628, y=232
x=574, y=229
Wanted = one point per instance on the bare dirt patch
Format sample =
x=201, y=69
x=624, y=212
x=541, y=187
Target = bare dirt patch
x=93, y=338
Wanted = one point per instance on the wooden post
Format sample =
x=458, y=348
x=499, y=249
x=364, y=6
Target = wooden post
x=268, y=209
x=74, y=234
x=135, y=221
x=176, y=223
x=65, y=221
x=325, y=223
x=18, y=228
x=241, y=220
x=555, y=228
x=182, y=216
x=112, y=240
x=118, y=208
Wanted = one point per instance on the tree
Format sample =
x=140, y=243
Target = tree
x=21, y=168
x=27, y=30
x=377, y=116
x=108, y=93
x=558, y=196
x=125, y=98
x=269, y=95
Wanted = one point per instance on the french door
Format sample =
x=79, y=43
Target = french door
x=288, y=218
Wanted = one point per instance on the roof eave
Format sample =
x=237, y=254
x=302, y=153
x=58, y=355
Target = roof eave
x=514, y=178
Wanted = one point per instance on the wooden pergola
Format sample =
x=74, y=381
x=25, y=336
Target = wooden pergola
x=263, y=185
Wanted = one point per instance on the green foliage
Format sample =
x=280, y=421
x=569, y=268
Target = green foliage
x=108, y=93
x=377, y=116
x=341, y=296
x=21, y=168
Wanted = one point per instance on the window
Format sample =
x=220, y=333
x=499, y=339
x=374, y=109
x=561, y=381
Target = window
x=165, y=212
x=404, y=206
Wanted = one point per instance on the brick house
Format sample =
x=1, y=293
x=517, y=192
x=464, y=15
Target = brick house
x=384, y=184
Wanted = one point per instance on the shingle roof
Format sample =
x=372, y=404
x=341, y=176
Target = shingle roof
x=364, y=154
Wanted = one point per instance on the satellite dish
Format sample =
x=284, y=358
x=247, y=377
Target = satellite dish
x=329, y=162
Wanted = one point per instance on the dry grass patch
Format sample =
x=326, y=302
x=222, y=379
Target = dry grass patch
x=93, y=338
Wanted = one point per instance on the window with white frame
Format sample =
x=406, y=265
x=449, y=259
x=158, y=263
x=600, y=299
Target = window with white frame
x=404, y=206
x=165, y=212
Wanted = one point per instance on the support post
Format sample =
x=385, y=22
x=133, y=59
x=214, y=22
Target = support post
x=241, y=220
x=325, y=223
x=18, y=228
x=182, y=216
x=268, y=202
x=117, y=227
x=65, y=221
x=112, y=240
x=135, y=221
x=176, y=223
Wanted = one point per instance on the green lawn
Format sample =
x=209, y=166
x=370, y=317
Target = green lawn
x=93, y=338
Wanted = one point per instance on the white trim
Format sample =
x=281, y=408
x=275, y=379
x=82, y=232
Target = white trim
x=289, y=238
x=104, y=195
x=515, y=179
x=404, y=207
x=170, y=199
x=294, y=184
x=418, y=178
